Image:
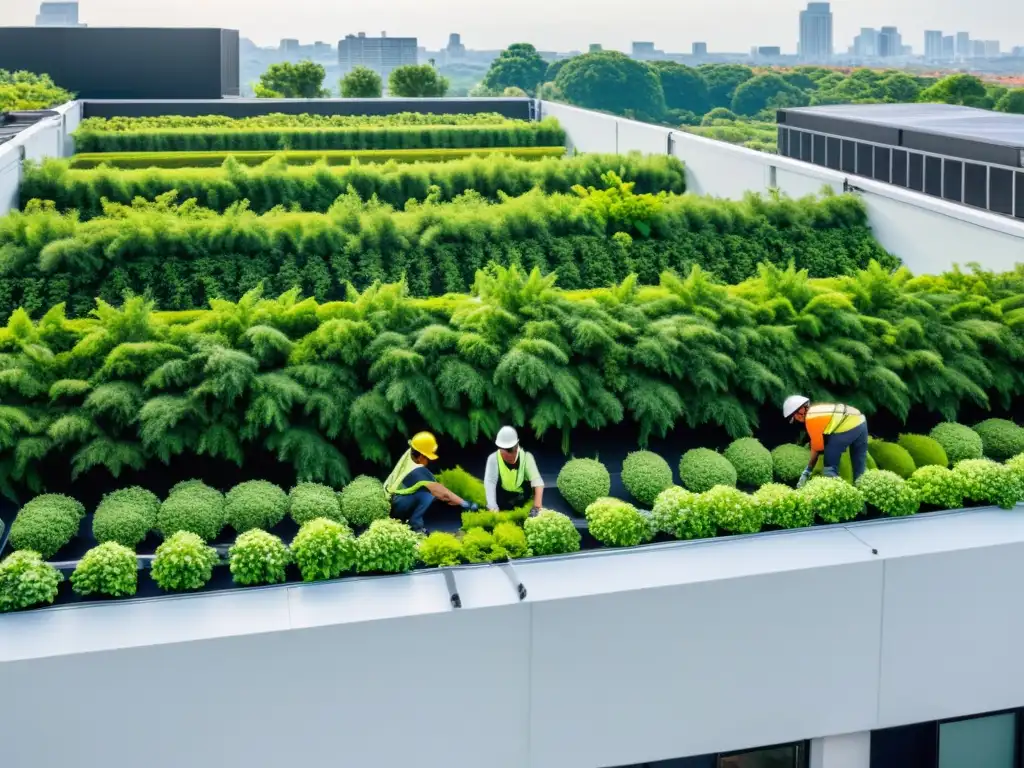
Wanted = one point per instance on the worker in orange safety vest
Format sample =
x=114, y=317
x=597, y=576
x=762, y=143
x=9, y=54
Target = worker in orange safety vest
x=833, y=428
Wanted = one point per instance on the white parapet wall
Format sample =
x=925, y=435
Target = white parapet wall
x=50, y=137
x=928, y=234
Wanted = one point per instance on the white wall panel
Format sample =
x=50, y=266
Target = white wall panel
x=587, y=131
x=10, y=177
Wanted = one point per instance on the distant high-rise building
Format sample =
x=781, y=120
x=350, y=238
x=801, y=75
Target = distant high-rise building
x=381, y=54
x=977, y=49
x=991, y=49
x=643, y=49
x=700, y=49
x=595, y=48
x=865, y=45
x=321, y=49
x=455, y=50
x=289, y=45
x=816, y=32
x=890, y=42
x=933, y=45
x=58, y=15
x=1018, y=50
x=963, y=45
x=767, y=51
x=948, y=48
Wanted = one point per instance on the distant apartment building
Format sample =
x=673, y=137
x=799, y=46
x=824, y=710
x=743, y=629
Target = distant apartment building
x=58, y=15
x=816, y=32
x=381, y=54
x=455, y=50
x=646, y=50
x=890, y=42
x=699, y=49
x=768, y=51
x=1017, y=51
x=977, y=49
x=595, y=48
x=322, y=49
x=948, y=48
x=991, y=49
x=289, y=45
x=865, y=45
x=963, y=45
x=933, y=45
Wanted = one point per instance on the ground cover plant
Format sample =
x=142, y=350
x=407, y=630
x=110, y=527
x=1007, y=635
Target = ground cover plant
x=182, y=255
x=315, y=188
x=27, y=581
x=110, y=569
x=93, y=125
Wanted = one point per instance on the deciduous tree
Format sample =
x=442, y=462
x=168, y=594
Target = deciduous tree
x=684, y=87
x=362, y=83
x=612, y=81
x=1012, y=101
x=518, y=66
x=955, y=89
x=417, y=81
x=285, y=80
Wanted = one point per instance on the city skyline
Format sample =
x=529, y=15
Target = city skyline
x=728, y=25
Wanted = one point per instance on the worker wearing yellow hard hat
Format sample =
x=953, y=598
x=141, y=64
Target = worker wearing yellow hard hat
x=413, y=488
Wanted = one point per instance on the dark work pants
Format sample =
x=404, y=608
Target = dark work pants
x=835, y=446
x=509, y=500
x=412, y=506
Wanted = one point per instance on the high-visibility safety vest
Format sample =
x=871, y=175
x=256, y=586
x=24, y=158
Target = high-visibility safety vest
x=512, y=478
x=405, y=466
x=824, y=419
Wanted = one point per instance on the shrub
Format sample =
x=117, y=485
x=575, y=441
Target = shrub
x=183, y=562
x=193, y=507
x=1000, y=439
x=551, y=533
x=889, y=493
x=309, y=501
x=126, y=517
x=925, y=451
x=480, y=546
x=645, y=475
x=892, y=457
x=46, y=524
x=440, y=550
x=987, y=482
x=255, y=504
x=109, y=569
x=512, y=539
x=364, y=500
x=387, y=546
x=616, y=523
x=27, y=581
x=324, y=549
x=464, y=485
x=258, y=557
x=730, y=509
x=782, y=506
x=845, y=467
x=677, y=514
x=958, y=441
x=701, y=469
x=753, y=462
x=1016, y=464
x=833, y=500
x=790, y=461
x=582, y=482
x=938, y=486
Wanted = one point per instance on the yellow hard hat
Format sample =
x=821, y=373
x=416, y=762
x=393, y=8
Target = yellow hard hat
x=425, y=443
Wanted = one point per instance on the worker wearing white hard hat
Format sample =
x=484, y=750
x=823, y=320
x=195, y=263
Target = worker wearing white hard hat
x=508, y=471
x=833, y=428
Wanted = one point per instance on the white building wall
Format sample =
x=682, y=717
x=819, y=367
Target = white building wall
x=47, y=138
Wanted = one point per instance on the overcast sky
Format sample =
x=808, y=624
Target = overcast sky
x=726, y=25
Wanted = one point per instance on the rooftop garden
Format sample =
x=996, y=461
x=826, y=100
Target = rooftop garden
x=25, y=91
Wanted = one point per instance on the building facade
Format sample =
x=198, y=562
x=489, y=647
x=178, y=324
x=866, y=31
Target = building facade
x=58, y=15
x=381, y=54
x=933, y=45
x=963, y=45
x=816, y=32
x=890, y=42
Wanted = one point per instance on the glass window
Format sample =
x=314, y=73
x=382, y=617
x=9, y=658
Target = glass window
x=982, y=742
x=916, y=170
x=952, y=181
x=849, y=156
x=899, y=167
x=1001, y=191
x=882, y=160
x=865, y=158
x=819, y=149
x=783, y=141
x=832, y=149
x=806, y=140
x=933, y=176
x=908, y=746
x=1019, y=195
x=789, y=756
x=976, y=185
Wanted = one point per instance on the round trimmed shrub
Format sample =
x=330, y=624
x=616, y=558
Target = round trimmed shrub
x=363, y=501
x=192, y=507
x=387, y=546
x=832, y=499
x=309, y=501
x=731, y=510
x=109, y=569
x=126, y=517
x=782, y=506
x=958, y=441
x=845, y=466
x=753, y=462
x=440, y=550
x=888, y=493
x=675, y=513
x=256, y=504
x=892, y=457
x=987, y=482
x=645, y=475
x=790, y=461
x=925, y=451
x=616, y=523
x=183, y=563
x=258, y=557
x=511, y=538
x=324, y=549
x=938, y=486
x=27, y=581
x=1000, y=439
x=551, y=533
x=701, y=469
x=479, y=546
x=582, y=482
x=1016, y=464
x=46, y=524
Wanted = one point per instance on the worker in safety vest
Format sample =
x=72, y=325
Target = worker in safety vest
x=412, y=487
x=832, y=427
x=507, y=472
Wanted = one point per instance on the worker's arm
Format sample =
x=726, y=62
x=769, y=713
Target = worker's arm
x=491, y=482
x=538, y=497
x=814, y=460
x=536, y=481
x=441, y=493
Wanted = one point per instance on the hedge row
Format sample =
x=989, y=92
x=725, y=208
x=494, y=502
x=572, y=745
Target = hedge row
x=546, y=133
x=279, y=120
x=316, y=188
x=130, y=387
x=331, y=158
x=182, y=256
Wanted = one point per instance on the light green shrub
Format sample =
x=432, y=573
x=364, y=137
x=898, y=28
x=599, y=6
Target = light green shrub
x=126, y=517
x=27, y=581
x=256, y=504
x=988, y=482
x=387, y=546
x=46, y=524
x=677, y=514
x=582, y=482
x=892, y=457
x=440, y=550
x=889, y=493
x=464, y=485
x=731, y=510
x=480, y=546
x=324, y=549
x=109, y=569
x=258, y=557
x=958, y=441
x=488, y=520
x=790, y=461
x=309, y=501
x=183, y=562
x=939, y=486
x=701, y=469
x=1016, y=464
x=1000, y=439
x=617, y=523
x=363, y=501
x=832, y=499
x=845, y=466
x=551, y=533
x=645, y=475
x=925, y=451
x=194, y=507
x=753, y=462
x=512, y=539
x=782, y=506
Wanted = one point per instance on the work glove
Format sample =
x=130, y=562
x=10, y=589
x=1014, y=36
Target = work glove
x=535, y=511
x=804, y=477
x=470, y=506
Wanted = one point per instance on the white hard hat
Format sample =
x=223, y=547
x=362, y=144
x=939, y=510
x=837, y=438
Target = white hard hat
x=507, y=439
x=793, y=404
